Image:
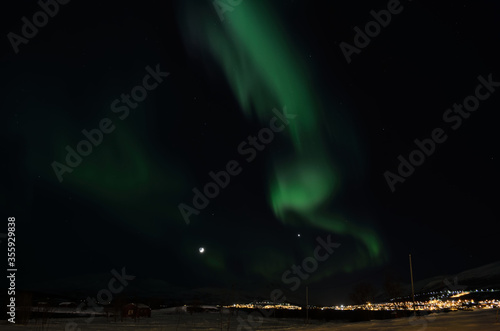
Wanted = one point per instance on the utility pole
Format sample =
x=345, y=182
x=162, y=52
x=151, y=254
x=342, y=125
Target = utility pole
x=412, y=289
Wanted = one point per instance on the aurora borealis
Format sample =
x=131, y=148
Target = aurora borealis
x=321, y=176
x=261, y=65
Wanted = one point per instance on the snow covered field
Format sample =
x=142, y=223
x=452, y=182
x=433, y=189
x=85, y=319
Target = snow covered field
x=478, y=320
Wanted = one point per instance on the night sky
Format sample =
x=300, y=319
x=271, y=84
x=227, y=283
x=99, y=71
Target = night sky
x=214, y=85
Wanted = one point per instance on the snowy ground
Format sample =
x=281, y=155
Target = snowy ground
x=456, y=321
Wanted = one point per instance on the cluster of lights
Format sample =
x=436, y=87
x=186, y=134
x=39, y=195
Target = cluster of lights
x=440, y=300
x=265, y=305
x=432, y=304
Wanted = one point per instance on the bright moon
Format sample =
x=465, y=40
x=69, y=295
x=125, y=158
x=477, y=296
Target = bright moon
x=202, y=250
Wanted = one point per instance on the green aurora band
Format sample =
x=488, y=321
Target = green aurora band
x=264, y=71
